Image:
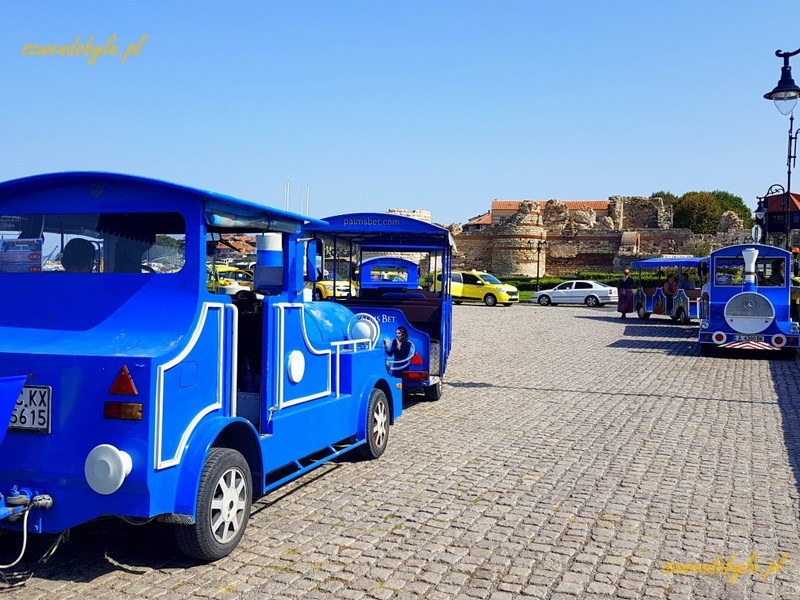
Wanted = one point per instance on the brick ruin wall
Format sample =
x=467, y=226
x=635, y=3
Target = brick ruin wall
x=500, y=250
x=643, y=213
x=584, y=251
x=505, y=251
x=574, y=245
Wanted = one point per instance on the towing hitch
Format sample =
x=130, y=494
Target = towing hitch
x=19, y=501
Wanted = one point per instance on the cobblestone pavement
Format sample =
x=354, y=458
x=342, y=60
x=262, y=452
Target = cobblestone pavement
x=573, y=455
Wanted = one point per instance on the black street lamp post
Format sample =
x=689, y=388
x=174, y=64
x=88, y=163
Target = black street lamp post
x=539, y=245
x=785, y=96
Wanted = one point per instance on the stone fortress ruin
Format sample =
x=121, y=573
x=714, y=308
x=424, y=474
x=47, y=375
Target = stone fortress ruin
x=594, y=235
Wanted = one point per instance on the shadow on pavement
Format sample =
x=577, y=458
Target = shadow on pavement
x=786, y=379
x=564, y=390
x=108, y=545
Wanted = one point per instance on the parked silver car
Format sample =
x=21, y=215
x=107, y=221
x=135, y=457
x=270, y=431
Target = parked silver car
x=590, y=293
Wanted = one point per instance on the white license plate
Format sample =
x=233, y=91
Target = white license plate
x=32, y=410
x=749, y=338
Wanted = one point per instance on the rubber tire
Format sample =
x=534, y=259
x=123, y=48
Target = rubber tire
x=456, y=301
x=591, y=301
x=198, y=540
x=680, y=317
x=316, y=296
x=490, y=300
x=433, y=392
x=641, y=313
x=544, y=300
x=377, y=426
x=708, y=349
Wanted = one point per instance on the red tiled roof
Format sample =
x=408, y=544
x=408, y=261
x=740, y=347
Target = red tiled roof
x=775, y=203
x=484, y=219
x=571, y=204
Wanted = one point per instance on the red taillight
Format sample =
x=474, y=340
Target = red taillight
x=128, y=411
x=415, y=375
x=123, y=384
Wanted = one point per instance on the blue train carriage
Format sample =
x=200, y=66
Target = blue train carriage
x=413, y=325
x=389, y=272
x=747, y=302
x=685, y=305
x=134, y=392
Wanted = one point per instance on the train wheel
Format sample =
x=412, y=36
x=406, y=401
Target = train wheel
x=708, y=349
x=223, y=507
x=433, y=392
x=377, y=425
x=642, y=313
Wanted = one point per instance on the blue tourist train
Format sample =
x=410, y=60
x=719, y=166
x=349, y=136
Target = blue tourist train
x=747, y=301
x=414, y=325
x=685, y=304
x=128, y=388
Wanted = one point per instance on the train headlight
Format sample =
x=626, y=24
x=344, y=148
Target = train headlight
x=704, y=324
x=794, y=328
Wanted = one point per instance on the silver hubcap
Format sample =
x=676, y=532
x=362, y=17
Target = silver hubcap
x=379, y=422
x=228, y=505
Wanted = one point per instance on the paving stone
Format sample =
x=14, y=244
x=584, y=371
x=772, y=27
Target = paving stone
x=572, y=457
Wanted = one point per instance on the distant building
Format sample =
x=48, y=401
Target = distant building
x=775, y=220
x=419, y=215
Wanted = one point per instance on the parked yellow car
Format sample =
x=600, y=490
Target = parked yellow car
x=478, y=286
x=323, y=289
x=228, y=280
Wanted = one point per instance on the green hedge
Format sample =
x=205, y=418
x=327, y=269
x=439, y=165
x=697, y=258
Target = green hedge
x=528, y=284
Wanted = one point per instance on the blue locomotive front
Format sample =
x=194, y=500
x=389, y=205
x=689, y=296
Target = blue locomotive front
x=746, y=303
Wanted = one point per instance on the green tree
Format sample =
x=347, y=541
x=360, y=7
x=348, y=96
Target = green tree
x=167, y=241
x=669, y=198
x=728, y=201
x=698, y=211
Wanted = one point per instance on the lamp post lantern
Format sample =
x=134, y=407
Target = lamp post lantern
x=785, y=96
x=758, y=232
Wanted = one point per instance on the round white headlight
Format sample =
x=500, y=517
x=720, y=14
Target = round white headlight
x=296, y=366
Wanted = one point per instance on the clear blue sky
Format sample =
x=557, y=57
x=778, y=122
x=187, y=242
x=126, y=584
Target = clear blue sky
x=375, y=104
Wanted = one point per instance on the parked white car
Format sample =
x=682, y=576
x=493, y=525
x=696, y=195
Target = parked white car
x=590, y=293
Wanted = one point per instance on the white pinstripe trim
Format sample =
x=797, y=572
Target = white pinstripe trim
x=159, y=461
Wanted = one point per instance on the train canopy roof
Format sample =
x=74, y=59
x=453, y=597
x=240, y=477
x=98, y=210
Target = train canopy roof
x=670, y=261
x=383, y=230
x=221, y=212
